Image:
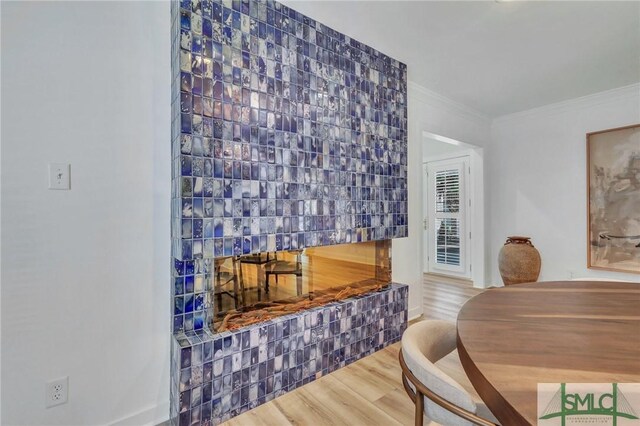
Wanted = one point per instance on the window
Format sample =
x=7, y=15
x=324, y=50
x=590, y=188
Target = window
x=447, y=201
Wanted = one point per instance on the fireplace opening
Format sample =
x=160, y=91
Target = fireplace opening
x=249, y=289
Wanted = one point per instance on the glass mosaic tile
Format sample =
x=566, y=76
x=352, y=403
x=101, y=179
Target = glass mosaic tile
x=286, y=134
x=218, y=376
x=278, y=115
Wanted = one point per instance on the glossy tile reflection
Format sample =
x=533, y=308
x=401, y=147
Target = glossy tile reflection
x=287, y=134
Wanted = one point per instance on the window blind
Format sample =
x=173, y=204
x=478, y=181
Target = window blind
x=447, y=193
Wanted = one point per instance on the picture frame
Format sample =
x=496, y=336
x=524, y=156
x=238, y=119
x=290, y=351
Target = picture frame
x=613, y=199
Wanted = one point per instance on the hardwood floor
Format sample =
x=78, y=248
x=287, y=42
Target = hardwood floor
x=368, y=392
x=443, y=297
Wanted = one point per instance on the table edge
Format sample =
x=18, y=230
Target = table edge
x=494, y=401
x=499, y=406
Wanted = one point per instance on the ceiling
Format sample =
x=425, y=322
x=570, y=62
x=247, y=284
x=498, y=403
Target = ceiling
x=497, y=57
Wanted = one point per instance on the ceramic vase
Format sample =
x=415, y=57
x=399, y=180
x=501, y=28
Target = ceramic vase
x=519, y=261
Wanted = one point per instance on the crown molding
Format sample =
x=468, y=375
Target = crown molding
x=588, y=101
x=430, y=97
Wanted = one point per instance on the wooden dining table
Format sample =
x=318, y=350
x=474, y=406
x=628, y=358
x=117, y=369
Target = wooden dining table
x=512, y=338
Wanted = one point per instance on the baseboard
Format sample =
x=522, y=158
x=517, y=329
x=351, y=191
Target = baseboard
x=150, y=416
x=414, y=313
x=452, y=277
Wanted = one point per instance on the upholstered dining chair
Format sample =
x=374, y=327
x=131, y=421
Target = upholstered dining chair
x=287, y=267
x=436, y=395
x=223, y=277
x=260, y=261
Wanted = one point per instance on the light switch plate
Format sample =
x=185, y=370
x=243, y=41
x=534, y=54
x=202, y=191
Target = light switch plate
x=59, y=176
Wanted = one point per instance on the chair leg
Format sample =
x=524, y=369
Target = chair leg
x=309, y=273
x=309, y=285
x=219, y=299
x=259, y=278
x=298, y=284
x=235, y=290
x=218, y=289
x=241, y=281
x=419, y=408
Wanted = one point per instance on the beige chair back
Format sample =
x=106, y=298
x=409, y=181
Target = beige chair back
x=423, y=344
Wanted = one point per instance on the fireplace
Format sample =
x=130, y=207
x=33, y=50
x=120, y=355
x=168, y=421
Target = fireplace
x=332, y=306
x=289, y=181
x=246, y=290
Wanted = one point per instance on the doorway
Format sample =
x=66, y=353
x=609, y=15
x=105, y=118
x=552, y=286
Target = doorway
x=446, y=222
x=453, y=209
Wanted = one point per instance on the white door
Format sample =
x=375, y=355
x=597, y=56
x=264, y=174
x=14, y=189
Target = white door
x=446, y=223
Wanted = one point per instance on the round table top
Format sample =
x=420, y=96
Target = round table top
x=512, y=338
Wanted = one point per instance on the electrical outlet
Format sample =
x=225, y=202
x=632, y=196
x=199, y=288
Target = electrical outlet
x=57, y=392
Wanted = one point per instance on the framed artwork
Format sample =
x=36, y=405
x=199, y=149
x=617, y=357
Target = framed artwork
x=613, y=177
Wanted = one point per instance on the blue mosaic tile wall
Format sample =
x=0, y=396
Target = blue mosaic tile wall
x=217, y=376
x=286, y=133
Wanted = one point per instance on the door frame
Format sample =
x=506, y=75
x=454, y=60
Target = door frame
x=475, y=213
x=464, y=270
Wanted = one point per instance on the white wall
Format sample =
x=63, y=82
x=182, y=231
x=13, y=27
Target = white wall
x=536, y=168
x=434, y=148
x=85, y=273
x=429, y=112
